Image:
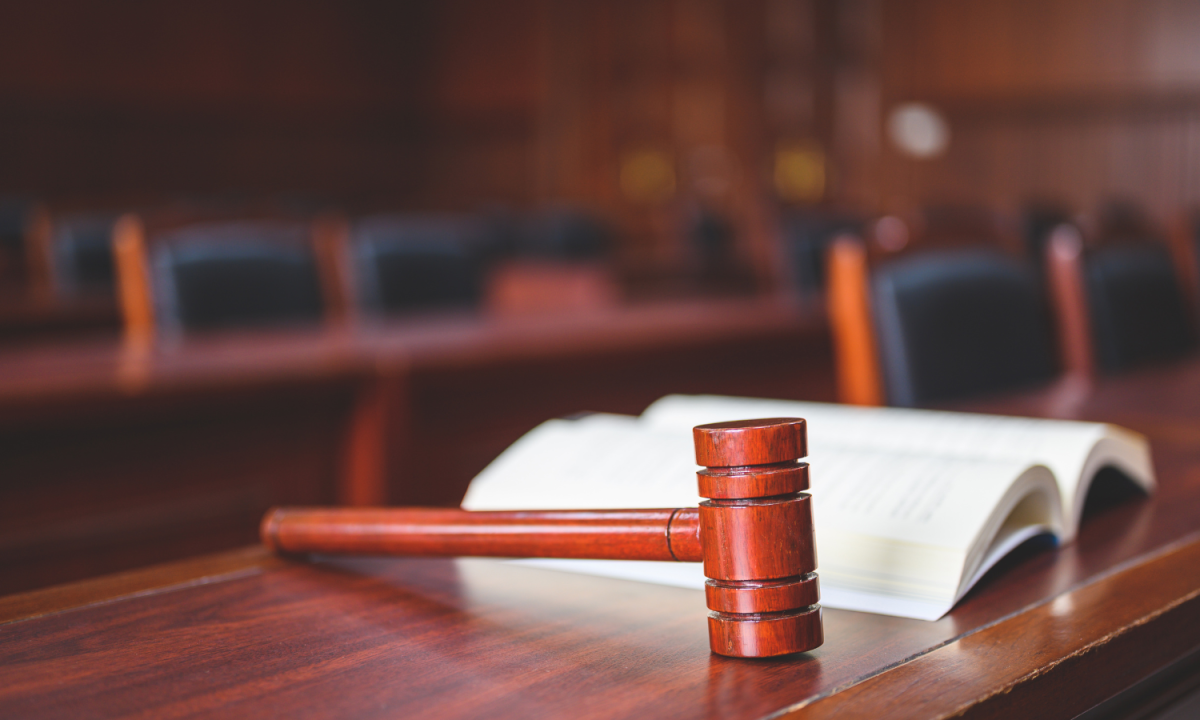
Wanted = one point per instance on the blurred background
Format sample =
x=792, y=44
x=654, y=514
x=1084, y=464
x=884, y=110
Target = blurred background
x=265, y=252
x=691, y=131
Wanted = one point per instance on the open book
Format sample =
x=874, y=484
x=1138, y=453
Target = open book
x=910, y=507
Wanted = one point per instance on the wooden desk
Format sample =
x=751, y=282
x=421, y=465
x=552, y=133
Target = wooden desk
x=116, y=458
x=1050, y=634
x=25, y=319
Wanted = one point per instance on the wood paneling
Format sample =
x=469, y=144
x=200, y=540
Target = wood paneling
x=424, y=105
x=707, y=92
x=453, y=105
x=357, y=101
x=1070, y=100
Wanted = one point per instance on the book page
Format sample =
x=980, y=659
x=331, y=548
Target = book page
x=599, y=461
x=893, y=530
x=1063, y=446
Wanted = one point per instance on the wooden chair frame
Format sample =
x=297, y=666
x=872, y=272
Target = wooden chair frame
x=132, y=245
x=858, y=370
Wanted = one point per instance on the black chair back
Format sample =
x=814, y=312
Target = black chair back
x=416, y=264
x=1038, y=221
x=1138, y=310
x=236, y=275
x=567, y=234
x=807, y=236
x=83, y=255
x=14, y=218
x=958, y=323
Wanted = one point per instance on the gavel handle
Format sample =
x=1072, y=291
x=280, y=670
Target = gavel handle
x=596, y=534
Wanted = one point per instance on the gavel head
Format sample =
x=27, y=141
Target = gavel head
x=756, y=534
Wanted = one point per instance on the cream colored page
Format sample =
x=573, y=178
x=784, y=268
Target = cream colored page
x=929, y=508
x=616, y=461
x=596, y=462
x=1060, y=445
x=901, y=526
x=929, y=501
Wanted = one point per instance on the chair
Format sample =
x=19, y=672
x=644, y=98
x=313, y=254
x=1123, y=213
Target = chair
x=1122, y=304
x=1038, y=221
x=68, y=256
x=15, y=215
x=807, y=236
x=566, y=235
x=80, y=255
x=1183, y=239
x=848, y=302
x=1063, y=265
x=560, y=264
x=415, y=264
x=1138, y=310
x=935, y=326
x=218, y=275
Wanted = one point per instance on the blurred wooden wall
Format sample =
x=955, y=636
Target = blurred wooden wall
x=657, y=111
x=1070, y=100
x=650, y=111
x=647, y=110
x=406, y=102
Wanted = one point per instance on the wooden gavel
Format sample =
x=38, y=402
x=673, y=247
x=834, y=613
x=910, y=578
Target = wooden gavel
x=754, y=535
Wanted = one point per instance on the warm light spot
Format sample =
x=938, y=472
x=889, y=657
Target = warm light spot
x=918, y=130
x=647, y=176
x=800, y=172
x=1066, y=241
x=1063, y=606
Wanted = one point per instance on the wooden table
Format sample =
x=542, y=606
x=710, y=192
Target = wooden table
x=116, y=457
x=25, y=318
x=1049, y=633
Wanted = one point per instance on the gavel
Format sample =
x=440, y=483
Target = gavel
x=754, y=534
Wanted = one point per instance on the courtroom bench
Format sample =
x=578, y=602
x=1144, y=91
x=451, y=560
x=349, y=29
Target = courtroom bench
x=120, y=456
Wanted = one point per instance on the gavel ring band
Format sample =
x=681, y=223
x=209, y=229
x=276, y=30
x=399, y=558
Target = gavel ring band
x=762, y=596
x=766, y=634
x=758, y=538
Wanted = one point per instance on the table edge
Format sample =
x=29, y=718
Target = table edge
x=1157, y=587
x=928, y=685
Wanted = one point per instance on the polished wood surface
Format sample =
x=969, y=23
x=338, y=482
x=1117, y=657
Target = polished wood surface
x=403, y=413
x=203, y=568
x=49, y=372
x=1057, y=659
x=27, y=319
x=1048, y=633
